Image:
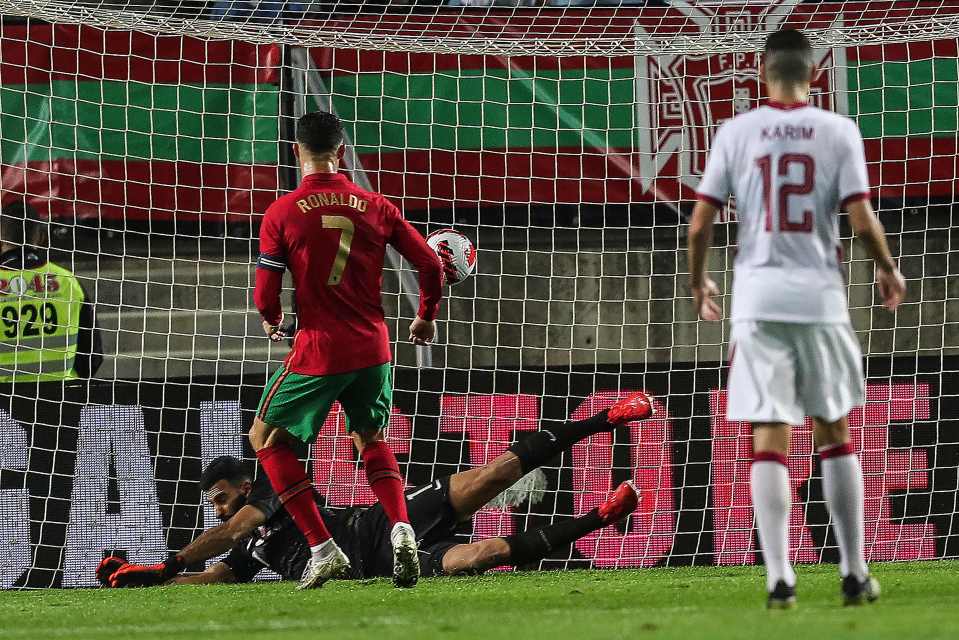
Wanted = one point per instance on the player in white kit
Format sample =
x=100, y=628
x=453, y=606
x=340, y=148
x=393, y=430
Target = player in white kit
x=793, y=352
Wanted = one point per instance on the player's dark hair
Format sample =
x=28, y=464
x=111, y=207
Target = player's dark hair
x=20, y=224
x=319, y=132
x=224, y=468
x=788, y=57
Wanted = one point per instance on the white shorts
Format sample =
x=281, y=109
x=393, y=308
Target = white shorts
x=785, y=371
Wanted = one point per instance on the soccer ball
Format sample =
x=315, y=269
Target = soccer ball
x=456, y=253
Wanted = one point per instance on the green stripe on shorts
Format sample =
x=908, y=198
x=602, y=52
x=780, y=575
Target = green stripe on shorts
x=300, y=404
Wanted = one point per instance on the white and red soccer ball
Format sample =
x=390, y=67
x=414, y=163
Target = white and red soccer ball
x=456, y=252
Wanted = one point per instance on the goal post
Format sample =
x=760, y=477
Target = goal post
x=567, y=144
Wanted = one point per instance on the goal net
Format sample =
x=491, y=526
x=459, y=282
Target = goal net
x=566, y=142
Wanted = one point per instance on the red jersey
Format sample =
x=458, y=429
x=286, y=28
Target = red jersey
x=332, y=236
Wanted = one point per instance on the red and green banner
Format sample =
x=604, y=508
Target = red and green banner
x=441, y=129
x=130, y=125
x=517, y=131
x=905, y=99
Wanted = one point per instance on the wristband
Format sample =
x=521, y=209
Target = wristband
x=172, y=566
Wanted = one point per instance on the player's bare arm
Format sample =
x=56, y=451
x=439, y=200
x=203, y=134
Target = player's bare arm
x=117, y=573
x=227, y=496
x=221, y=538
x=867, y=227
x=700, y=241
x=215, y=573
x=209, y=544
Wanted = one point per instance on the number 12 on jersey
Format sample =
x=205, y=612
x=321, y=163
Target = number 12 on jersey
x=786, y=189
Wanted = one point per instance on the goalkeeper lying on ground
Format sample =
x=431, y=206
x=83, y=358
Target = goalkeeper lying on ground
x=262, y=535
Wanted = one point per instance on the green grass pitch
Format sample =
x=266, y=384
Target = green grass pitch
x=919, y=601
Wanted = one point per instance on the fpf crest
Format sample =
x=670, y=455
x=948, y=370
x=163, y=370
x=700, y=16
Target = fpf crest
x=682, y=99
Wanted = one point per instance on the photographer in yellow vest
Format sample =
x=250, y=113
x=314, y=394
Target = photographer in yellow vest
x=47, y=328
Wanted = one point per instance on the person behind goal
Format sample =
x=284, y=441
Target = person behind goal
x=261, y=534
x=793, y=352
x=332, y=236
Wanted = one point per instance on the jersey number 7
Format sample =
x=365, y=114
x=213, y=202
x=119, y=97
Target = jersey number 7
x=805, y=187
x=345, y=225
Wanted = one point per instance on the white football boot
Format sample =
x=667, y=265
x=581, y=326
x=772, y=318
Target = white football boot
x=406, y=560
x=317, y=572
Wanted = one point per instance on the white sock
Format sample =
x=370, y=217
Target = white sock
x=323, y=550
x=842, y=486
x=772, y=500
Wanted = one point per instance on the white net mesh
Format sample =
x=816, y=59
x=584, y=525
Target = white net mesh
x=554, y=29
x=566, y=142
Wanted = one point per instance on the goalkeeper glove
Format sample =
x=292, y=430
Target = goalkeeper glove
x=107, y=567
x=145, y=575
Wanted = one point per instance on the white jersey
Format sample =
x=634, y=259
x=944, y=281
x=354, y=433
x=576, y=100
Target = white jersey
x=790, y=169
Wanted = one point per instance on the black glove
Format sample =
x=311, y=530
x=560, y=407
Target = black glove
x=145, y=575
x=107, y=567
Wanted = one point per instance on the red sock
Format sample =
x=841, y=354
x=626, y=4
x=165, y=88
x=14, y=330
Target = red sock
x=383, y=474
x=288, y=477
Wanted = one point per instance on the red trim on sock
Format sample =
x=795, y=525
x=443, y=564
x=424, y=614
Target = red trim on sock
x=295, y=490
x=836, y=451
x=288, y=478
x=769, y=456
x=386, y=481
x=375, y=476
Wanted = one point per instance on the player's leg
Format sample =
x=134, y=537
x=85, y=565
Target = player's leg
x=387, y=483
x=843, y=489
x=531, y=546
x=367, y=402
x=832, y=377
x=290, y=408
x=383, y=474
x=772, y=502
x=762, y=391
x=472, y=490
x=474, y=557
